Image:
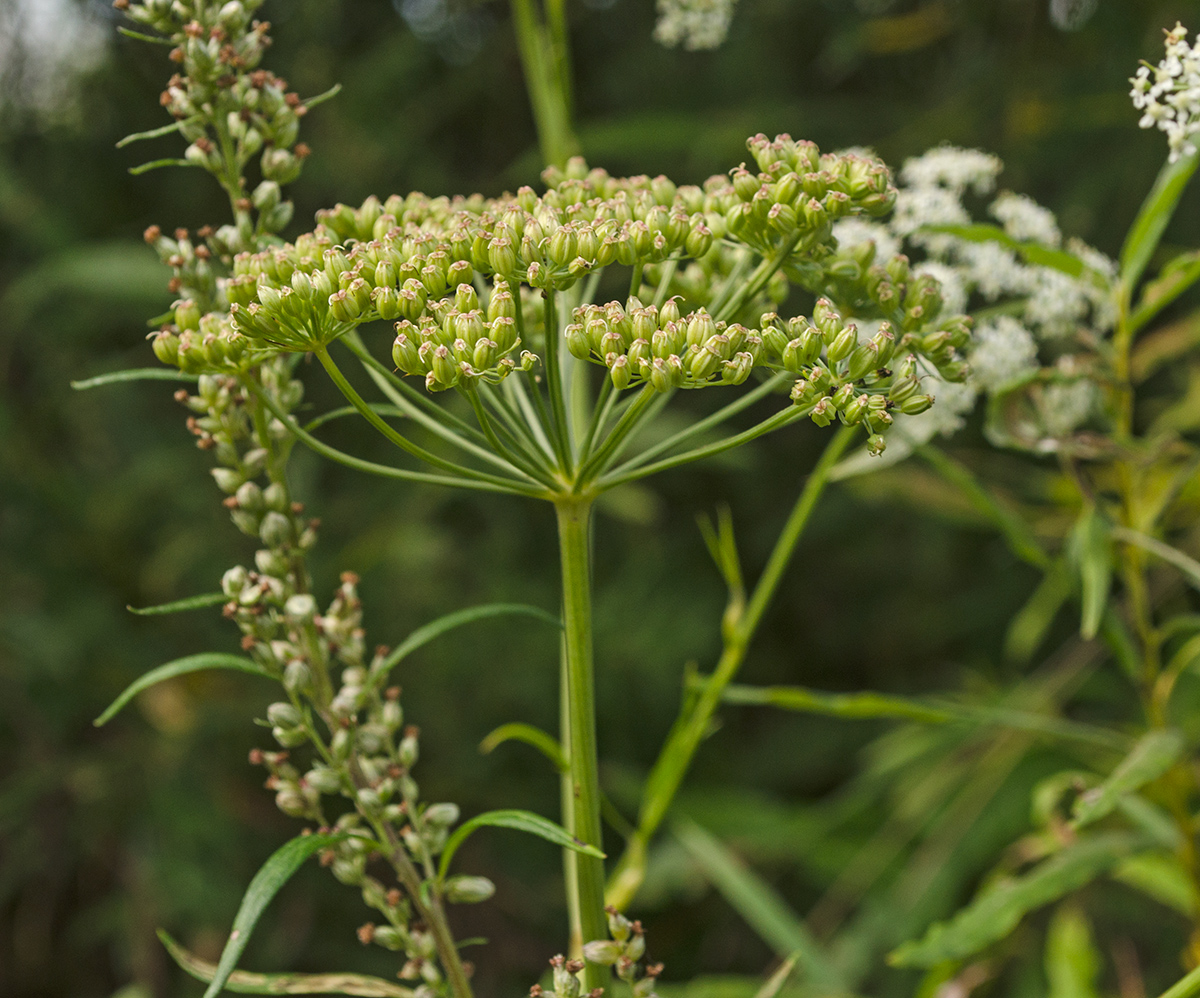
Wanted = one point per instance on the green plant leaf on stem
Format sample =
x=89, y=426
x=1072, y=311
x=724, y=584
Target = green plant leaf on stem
x=1029, y=626
x=1153, y=217
x=273, y=874
x=1185, y=987
x=158, y=164
x=248, y=983
x=773, y=984
x=436, y=628
x=999, y=908
x=537, y=738
x=521, y=821
x=180, y=667
x=133, y=374
x=1152, y=755
x=1035, y=253
x=1090, y=548
x=1161, y=876
x=143, y=37
x=154, y=133
x=754, y=899
x=1179, y=274
x=180, y=605
x=1189, y=566
x=1072, y=961
x=322, y=97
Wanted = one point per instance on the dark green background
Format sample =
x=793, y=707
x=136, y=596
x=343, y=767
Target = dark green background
x=157, y=819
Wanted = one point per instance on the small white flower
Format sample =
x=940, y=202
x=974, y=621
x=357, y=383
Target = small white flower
x=1057, y=303
x=1004, y=351
x=1172, y=102
x=1025, y=219
x=694, y=24
x=1065, y=407
x=992, y=269
x=953, y=168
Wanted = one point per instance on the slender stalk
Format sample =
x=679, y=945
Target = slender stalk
x=559, y=430
x=693, y=721
x=574, y=514
x=515, y=458
x=546, y=62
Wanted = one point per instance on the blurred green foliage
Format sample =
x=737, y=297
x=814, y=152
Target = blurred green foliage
x=157, y=820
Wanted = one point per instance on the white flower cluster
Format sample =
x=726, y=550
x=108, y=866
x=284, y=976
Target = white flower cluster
x=1168, y=95
x=1023, y=218
x=694, y=24
x=1004, y=351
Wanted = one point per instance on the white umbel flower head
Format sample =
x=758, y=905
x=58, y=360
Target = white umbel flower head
x=1168, y=95
x=694, y=24
x=1004, y=351
x=1025, y=219
x=953, y=168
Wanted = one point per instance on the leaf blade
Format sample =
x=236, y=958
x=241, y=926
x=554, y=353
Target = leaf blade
x=179, y=667
x=521, y=821
x=247, y=982
x=132, y=374
x=536, y=738
x=272, y=875
x=180, y=605
x=1152, y=755
x=1153, y=216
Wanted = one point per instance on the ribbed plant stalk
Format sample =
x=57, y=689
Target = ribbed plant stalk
x=587, y=918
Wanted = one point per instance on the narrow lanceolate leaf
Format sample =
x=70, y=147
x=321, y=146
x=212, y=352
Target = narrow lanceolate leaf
x=247, y=983
x=179, y=605
x=1161, y=876
x=275, y=872
x=762, y=908
x=423, y=635
x=522, y=821
x=850, y=705
x=1177, y=276
x=537, y=738
x=1152, y=219
x=180, y=667
x=134, y=374
x=1032, y=622
x=1185, y=987
x=1072, y=961
x=1091, y=551
x=999, y=908
x=1171, y=555
x=1034, y=253
x=1154, y=753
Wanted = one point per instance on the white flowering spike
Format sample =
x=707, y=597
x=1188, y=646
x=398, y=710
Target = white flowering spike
x=1168, y=95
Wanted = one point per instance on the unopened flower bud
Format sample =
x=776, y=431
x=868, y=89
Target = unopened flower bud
x=300, y=607
x=468, y=890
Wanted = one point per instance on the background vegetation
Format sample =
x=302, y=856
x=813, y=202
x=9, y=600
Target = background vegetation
x=157, y=819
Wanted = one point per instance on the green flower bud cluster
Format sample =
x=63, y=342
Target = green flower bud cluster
x=566, y=983
x=640, y=344
x=622, y=952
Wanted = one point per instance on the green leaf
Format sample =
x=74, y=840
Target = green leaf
x=155, y=133
x=850, y=705
x=773, y=984
x=1072, y=962
x=423, y=635
x=1185, y=987
x=158, y=164
x=1017, y=533
x=273, y=874
x=754, y=899
x=141, y=37
x=1152, y=755
x=247, y=983
x=517, y=732
x=1152, y=219
x=321, y=98
x=1161, y=876
x=180, y=667
x=1030, y=624
x=1172, y=556
x=996, y=911
x=522, y=821
x=1034, y=253
x=1176, y=277
x=1091, y=551
x=135, y=374
x=190, y=603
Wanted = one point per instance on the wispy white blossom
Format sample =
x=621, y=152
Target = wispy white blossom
x=1025, y=219
x=1057, y=303
x=1168, y=95
x=1004, y=351
x=694, y=24
x=955, y=169
x=991, y=269
x=1066, y=406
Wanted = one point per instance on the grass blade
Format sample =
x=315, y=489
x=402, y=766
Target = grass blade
x=180, y=667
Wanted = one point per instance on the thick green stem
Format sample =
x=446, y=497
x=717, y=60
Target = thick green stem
x=685, y=737
x=546, y=63
x=574, y=515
